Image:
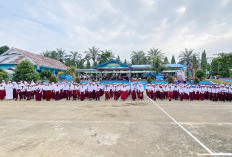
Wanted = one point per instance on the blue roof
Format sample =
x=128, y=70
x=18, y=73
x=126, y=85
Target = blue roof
x=111, y=61
x=174, y=65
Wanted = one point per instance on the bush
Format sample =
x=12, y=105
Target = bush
x=49, y=74
x=77, y=80
x=196, y=80
x=25, y=71
x=200, y=74
x=43, y=75
x=149, y=80
x=170, y=79
x=3, y=75
x=230, y=73
x=53, y=79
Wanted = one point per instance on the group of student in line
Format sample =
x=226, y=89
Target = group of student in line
x=93, y=91
x=77, y=91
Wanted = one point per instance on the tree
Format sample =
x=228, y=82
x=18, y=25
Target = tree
x=195, y=63
x=106, y=56
x=133, y=61
x=186, y=57
x=139, y=56
x=81, y=64
x=200, y=74
x=214, y=67
x=25, y=71
x=166, y=60
x=43, y=75
x=157, y=65
x=88, y=66
x=3, y=49
x=53, y=79
x=223, y=66
x=203, y=61
x=118, y=59
x=60, y=55
x=173, y=61
x=153, y=53
x=92, y=53
x=3, y=75
x=125, y=61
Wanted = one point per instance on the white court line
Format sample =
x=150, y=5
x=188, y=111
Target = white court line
x=199, y=142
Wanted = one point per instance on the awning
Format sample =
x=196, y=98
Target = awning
x=170, y=71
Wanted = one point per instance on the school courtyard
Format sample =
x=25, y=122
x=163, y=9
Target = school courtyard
x=115, y=128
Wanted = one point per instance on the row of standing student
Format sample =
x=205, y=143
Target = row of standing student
x=58, y=91
x=187, y=92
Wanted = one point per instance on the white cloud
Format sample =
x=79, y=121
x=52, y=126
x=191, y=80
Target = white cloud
x=181, y=10
x=121, y=26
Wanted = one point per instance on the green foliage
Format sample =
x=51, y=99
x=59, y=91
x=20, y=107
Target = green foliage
x=53, y=79
x=92, y=53
x=139, y=57
x=125, y=62
x=118, y=59
x=203, y=61
x=200, y=74
x=173, y=61
x=141, y=61
x=214, y=67
x=153, y=53
x=224, y=70
x=133, y=61
x=166, y=60
x=25, y=71
x=77, y=80
x=186, y=57
x=49, y=74
x=3, y=75
x=149, y=80
x=196, y=80
x=81, y=64
x=105, y=56
x=195, y=63
x=230, y=73
x=43, y=75
x=88, y=66
x=3, y=49
x=170, y=79
x=157, y=65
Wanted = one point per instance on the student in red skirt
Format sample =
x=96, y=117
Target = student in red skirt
x=170, y=93
x=107, y=92
x=82, y=92
x=2, y=91
x=124, y=93
x=48, y=92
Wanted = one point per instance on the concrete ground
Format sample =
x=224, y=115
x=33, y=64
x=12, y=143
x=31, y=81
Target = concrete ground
x=114, y=128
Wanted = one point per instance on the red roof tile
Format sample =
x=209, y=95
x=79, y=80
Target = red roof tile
x=38, y=60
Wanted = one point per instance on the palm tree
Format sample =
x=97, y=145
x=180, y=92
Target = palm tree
x=76, y=57
x=139, y=57
x=106, y=56
x=153, y=53
x=60, y=54
x=186, y=57
x=92, y=53
x=157, y=65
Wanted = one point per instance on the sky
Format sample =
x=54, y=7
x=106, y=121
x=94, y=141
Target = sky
x=122, y=26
